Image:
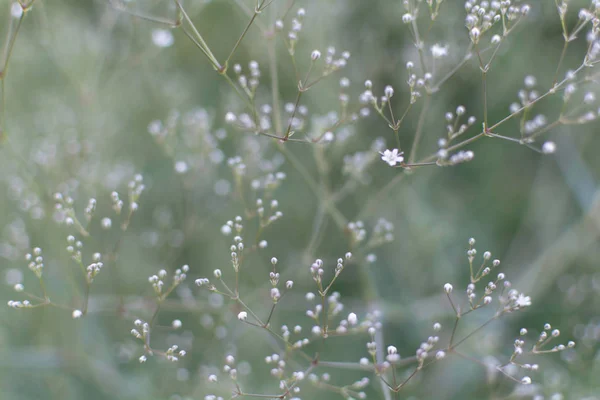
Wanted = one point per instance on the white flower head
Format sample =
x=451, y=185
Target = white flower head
x=522, y=301
x=162, y=38
x=439, y=51
x=548, y=147
x=16, y=10
x=392, y=157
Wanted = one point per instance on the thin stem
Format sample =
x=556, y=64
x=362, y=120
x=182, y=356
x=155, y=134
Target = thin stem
x=454, y=329
x=562, y=56
x=237, y=44
x=205, y=49
x=145, y=17
x=11, y=38
x=474, y=332
x=419, y=133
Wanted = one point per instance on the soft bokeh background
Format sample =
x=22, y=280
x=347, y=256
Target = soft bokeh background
x=84, y=83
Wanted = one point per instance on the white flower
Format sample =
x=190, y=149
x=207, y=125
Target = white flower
x=548, y=147
x=352, y=319
x=522, y=301
x=242, y=316
x=439, y=51
x=162, y=38
x=16, y=11
x=392, y=157
x=77, y=314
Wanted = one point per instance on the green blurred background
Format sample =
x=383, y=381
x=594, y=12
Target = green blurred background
x=86, y=80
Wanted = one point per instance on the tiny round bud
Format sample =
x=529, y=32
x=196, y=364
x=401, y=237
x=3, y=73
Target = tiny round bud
x=389, y=91
x=448, y=288
x=77, y=314
x=315, y=55
x=548, y=147
x=226, y=230
x=352, y=319
x=242, y=316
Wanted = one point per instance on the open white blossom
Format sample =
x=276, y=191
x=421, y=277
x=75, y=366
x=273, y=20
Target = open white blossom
x=523, y=301
x=392, y=157
x=439, y=51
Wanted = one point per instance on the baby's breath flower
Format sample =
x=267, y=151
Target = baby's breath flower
x=242, y=316
x=523, y=301
x=162, y=38
x=439, y=51
x=548, y=147
x=77, y=314
x=392, y=157
x=352, y=319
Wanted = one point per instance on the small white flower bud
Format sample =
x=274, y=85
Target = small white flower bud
x=523, y=331
x=176, y=324
x=389, y=91
x=315, y=55
x=475, y=34
x=352, y=319
x=448, y=288
x=16, y=11
x=548, y=147
x=77, y=314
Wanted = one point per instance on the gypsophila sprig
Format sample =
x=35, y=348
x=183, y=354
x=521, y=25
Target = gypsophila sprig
x=322, y=256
